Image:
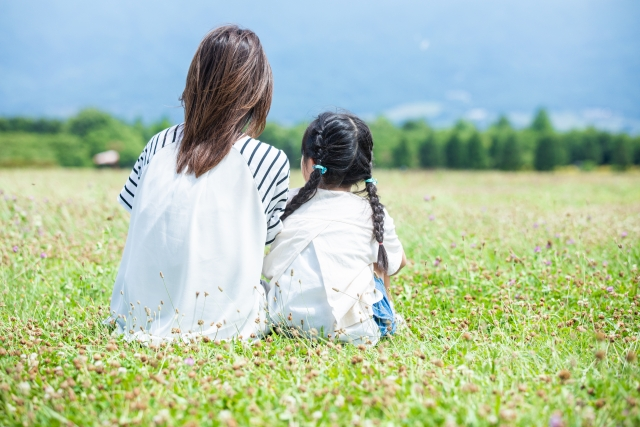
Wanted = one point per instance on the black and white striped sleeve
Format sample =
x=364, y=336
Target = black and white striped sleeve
x=270, y=169
x=157, y=142
x=129, y=189
x=275, y=208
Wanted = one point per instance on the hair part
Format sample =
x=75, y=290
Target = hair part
x=229, y=89
x=343, y=144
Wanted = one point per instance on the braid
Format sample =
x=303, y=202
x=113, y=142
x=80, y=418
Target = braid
x=316, y=147
x=304, y=195
x=377, y=217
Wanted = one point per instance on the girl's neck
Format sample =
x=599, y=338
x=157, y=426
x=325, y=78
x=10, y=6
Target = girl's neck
x=346, y=188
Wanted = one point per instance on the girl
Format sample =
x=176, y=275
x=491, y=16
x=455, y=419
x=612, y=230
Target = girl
x=327, y=268
x=204, y=197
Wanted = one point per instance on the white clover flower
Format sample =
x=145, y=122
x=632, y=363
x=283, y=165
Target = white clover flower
x=224, y=415
x=24, y=388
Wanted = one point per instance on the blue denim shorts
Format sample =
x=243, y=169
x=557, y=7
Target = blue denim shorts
x=382, y=311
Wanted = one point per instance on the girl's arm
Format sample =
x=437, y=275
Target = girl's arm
x=383, y=274
x=402, y=264
x=387, y=284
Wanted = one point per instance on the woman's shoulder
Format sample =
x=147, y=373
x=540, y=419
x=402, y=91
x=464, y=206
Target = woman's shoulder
x=263, y=159
x=253, y=149
x=270, y=170
x=166, y=137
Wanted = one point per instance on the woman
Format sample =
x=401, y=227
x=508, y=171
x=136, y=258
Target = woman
x=205, y=197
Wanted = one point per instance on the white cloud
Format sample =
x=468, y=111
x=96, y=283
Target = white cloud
x=564, y=120
x=597, y=117
x=520, y=119
x=368, y=116
x=597, y=114
x=459, y=95
x=477, y=114
x=424, y=44
x=413, y=111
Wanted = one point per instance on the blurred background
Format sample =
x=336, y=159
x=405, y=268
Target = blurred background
x=462, y=84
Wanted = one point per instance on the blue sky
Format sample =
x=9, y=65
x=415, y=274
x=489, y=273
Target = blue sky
x=405, y=59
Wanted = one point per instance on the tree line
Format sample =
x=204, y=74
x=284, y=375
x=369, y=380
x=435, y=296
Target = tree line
x=413, y=144
x=72, y=142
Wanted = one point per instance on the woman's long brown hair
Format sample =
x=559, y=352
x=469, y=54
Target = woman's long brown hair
x=228, y=90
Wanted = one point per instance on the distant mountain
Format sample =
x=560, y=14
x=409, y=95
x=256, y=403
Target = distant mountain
x=404, y=59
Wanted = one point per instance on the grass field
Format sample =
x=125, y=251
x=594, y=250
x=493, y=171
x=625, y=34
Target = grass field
x=521, y=299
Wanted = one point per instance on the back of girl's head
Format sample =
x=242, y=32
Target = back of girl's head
x=341, y=146
x=229, y=88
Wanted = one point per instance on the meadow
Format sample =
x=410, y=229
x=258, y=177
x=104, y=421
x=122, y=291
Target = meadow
x=520, y=298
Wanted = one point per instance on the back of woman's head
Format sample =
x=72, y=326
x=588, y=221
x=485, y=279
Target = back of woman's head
x=229, y=88
x=341, y=147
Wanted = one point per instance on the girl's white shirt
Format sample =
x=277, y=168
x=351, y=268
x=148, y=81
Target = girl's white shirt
x=320, y=268
x=207, y=236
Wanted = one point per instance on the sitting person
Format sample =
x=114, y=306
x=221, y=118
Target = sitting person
x=329, y=268
x=205, y=198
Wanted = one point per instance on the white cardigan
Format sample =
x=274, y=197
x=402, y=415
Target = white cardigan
x=320, y=268
x=206, y=235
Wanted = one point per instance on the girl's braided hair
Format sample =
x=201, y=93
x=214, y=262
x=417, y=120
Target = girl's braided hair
x=343, y=144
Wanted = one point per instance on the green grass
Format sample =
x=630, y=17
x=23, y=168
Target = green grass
x=499, y=332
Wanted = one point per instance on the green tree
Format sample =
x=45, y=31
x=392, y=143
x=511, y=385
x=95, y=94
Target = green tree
x=495, y=150
x=622, y=152
x=149, y=131
x=292, y=153
x=547, y=155
x=591, y=148
x=402, y=154
x=573, y=143
x=70, y=151
x=119, y=137
x=498, y=133
x=30, y=125
x=605, y=142
x=415, y=125
x=455, y=152
x=464, y=127
x=477, y=153
x=89, y=120
x=20, y=149
x=511, y=156
x=386, y=136
x=287, y=139
x=100, y=131
x=503, y=123
x=541, y=122
x=429, y=153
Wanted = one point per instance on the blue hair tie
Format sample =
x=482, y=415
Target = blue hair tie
x=322, y=169
x=372, y=181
